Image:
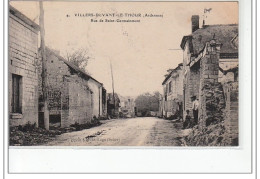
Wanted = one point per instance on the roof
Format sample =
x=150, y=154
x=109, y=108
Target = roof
x=170, y=74
x=71, y=65
x=224, y=34
x=25, y=19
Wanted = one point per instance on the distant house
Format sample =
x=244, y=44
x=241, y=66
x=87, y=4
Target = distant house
x=22, y=74
x=173, y=92
x=223, y=69
x=74, y=96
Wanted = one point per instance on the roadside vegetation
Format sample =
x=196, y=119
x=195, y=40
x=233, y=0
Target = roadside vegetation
x=29, y=134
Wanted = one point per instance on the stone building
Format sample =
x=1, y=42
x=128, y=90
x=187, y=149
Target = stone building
x=194, y=49
x=173, y=93
x=22, y=74
x=73, y=95
x=211, y=73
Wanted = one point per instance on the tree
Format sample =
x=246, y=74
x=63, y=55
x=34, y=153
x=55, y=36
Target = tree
x=79, y=58
x=147, y=102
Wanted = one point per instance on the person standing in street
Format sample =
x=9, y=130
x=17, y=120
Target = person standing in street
x=195, y=108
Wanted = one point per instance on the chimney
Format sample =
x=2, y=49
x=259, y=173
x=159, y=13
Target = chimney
x=195, y=23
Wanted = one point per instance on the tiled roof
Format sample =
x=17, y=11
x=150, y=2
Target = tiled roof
x=224, y=34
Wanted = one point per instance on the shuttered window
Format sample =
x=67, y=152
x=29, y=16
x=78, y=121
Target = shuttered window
x=170, y=87
x=16, y=94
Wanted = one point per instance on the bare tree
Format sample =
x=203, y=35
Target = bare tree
x=79, y=58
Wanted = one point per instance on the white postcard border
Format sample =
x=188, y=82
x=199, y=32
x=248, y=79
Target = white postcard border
x=143, y=159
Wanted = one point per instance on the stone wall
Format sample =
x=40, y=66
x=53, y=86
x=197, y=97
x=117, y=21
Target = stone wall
x=23, y=48
x=65, y=103
x=56, y=70
x=211, y=96
x=96, y=88
x=80, y=102
x=76, y=102
x=231, y=111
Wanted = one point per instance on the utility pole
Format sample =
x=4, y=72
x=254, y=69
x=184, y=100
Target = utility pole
x=113, y=86
x=44, y=69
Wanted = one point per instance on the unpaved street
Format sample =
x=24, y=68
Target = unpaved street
x=148, y=131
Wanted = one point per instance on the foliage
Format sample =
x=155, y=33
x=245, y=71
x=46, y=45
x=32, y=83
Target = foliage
x=147, y=102
x=29, y=134
x=27, y=127
x=213, y=135
x=79, y=58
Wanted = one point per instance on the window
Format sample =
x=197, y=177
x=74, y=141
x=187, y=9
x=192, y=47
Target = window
x=16, y=102
x=170, y=87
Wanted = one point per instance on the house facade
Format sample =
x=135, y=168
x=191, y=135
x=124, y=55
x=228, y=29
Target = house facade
x=211, y=74
x=73, y=95
x=22, y=74
x=194, y=50
x=173, y=93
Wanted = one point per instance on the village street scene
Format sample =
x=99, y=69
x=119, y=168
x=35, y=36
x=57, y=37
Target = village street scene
x=115, y=74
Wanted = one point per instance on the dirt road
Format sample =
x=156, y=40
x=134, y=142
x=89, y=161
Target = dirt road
x=149, y=131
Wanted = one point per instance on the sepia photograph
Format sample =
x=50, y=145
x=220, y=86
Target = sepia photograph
x=123, y=74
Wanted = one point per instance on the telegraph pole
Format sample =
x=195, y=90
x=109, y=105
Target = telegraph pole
x=44, y=69
x=113, y=86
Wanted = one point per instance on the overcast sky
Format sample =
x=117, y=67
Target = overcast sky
x=139, y=52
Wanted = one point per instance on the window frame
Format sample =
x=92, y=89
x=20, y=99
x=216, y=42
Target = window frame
x=16, y=107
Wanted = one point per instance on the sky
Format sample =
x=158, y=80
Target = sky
x=140, y=52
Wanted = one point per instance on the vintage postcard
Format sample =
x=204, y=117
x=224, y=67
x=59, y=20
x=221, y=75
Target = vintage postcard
x=123, y=73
